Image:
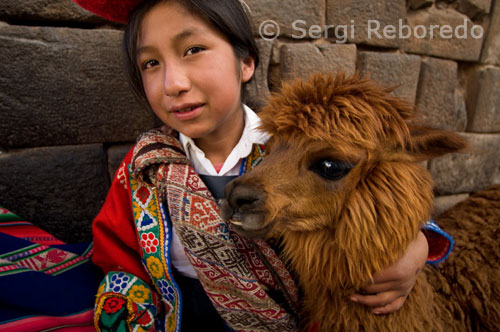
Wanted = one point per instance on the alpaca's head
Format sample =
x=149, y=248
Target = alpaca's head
x=342, y=160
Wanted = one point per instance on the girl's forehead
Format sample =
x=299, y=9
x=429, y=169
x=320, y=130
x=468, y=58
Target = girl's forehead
x=171, y=20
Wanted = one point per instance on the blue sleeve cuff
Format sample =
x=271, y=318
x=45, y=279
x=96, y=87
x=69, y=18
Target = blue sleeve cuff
x=440, y=242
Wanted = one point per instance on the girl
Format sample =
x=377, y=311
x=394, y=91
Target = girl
x=159, y=233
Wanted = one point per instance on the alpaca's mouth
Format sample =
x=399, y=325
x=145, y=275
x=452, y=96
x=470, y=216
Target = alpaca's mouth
x=235, y=219
x=250, y=224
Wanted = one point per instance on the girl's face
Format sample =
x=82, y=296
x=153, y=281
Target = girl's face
x=191, y=77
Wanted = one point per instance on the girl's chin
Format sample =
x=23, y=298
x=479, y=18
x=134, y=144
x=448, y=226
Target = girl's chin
x=193, y=133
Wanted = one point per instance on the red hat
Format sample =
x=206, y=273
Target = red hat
x=113, y=10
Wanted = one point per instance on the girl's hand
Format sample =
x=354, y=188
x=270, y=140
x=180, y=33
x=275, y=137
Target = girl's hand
x=389, y=289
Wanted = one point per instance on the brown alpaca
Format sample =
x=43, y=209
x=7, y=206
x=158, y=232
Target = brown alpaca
x=342, y=189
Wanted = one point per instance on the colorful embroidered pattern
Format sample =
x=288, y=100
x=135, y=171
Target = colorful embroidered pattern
x=47, y=284
x=234, y=277
x=41, y=258
x=155, y=235
x=437, y=238
x=124, y=303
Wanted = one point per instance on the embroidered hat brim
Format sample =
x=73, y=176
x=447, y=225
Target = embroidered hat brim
x=113, y=10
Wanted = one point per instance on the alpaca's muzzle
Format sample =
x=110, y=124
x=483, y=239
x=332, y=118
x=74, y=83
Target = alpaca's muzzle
x=244, y=208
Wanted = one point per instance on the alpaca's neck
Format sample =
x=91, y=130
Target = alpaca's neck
x=311, y=258
x=328, y=286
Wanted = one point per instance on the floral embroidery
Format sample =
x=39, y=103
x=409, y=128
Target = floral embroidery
x=166, y=290
x=113, y=304
x=139, y=293
x=154, y=266
x=149, y=242
x=143, y=195
x=144, y=318
x=119, y=281
x=101, y=289
x=136, y=208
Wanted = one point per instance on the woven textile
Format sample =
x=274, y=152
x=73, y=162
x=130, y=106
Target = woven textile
x=228, y=266
x=46, y=284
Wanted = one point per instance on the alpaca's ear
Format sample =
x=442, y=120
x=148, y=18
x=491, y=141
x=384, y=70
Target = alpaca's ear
x=428, y=143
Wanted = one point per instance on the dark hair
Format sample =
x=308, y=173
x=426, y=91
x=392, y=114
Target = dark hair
x=227, y=16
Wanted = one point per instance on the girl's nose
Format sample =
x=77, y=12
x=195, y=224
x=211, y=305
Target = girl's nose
x=175, y=81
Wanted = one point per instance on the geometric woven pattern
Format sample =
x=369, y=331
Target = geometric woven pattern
x=232, y=273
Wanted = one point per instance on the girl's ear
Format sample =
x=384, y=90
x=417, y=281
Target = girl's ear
x=428, y=143
x=247, y=68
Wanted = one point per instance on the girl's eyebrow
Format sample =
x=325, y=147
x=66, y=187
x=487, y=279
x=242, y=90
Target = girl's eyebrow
x=184, y=34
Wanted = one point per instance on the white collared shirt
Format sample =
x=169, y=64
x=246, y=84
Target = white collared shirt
x=242, y=149
x=202, y=165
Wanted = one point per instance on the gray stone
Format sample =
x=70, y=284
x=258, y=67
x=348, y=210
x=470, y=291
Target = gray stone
x=301, y=60
x=466, y=172
x=59, y=189
x=256, y=91
x=364, y=16
x=46, y=10
x=483, y=100
x=115, y=154
x=442, y=33
x=474, y=8
x=460, y=109
x=491, y=46
x=63, y=86
x=417, y=4
x=436, y=95
x=443, y=203
x=392, y=70
x=266, y=14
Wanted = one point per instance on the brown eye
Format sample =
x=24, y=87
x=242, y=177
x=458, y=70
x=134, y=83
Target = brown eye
x=194, y=50
x=331, y=169
x=149, y=64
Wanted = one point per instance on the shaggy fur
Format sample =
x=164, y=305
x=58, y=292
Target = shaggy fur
x=337, y=233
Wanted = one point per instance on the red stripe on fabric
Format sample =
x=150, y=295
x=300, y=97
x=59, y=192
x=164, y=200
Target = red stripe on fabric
x=31, y=233
x=65, y=265
x=40, y=323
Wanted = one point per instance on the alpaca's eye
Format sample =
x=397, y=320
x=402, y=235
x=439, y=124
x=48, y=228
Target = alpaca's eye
x=331, y=169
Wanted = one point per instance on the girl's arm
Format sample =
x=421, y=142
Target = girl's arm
x=391, y=286
x=125, y=298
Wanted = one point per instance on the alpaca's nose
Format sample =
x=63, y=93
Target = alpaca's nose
x=241, y=198
x=244, y=196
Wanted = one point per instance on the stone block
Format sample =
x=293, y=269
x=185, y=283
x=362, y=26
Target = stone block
x=63, y=86
x=392, y=70
x=491, y=45
x=466, y=172
x=256, y=91
x=46, y=10
x=474, y=8
x=483, y=100
x=59, y=189
x=364, y=16
x=417, y=4
x=268, y=15
x=443, y=203
x=436, y=95
x=442, y=33
x=301, y=60
x=115, y=154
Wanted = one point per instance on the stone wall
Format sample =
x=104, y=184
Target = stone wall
x=67, y=116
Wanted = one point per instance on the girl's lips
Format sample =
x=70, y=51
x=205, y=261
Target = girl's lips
x=188, y=115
